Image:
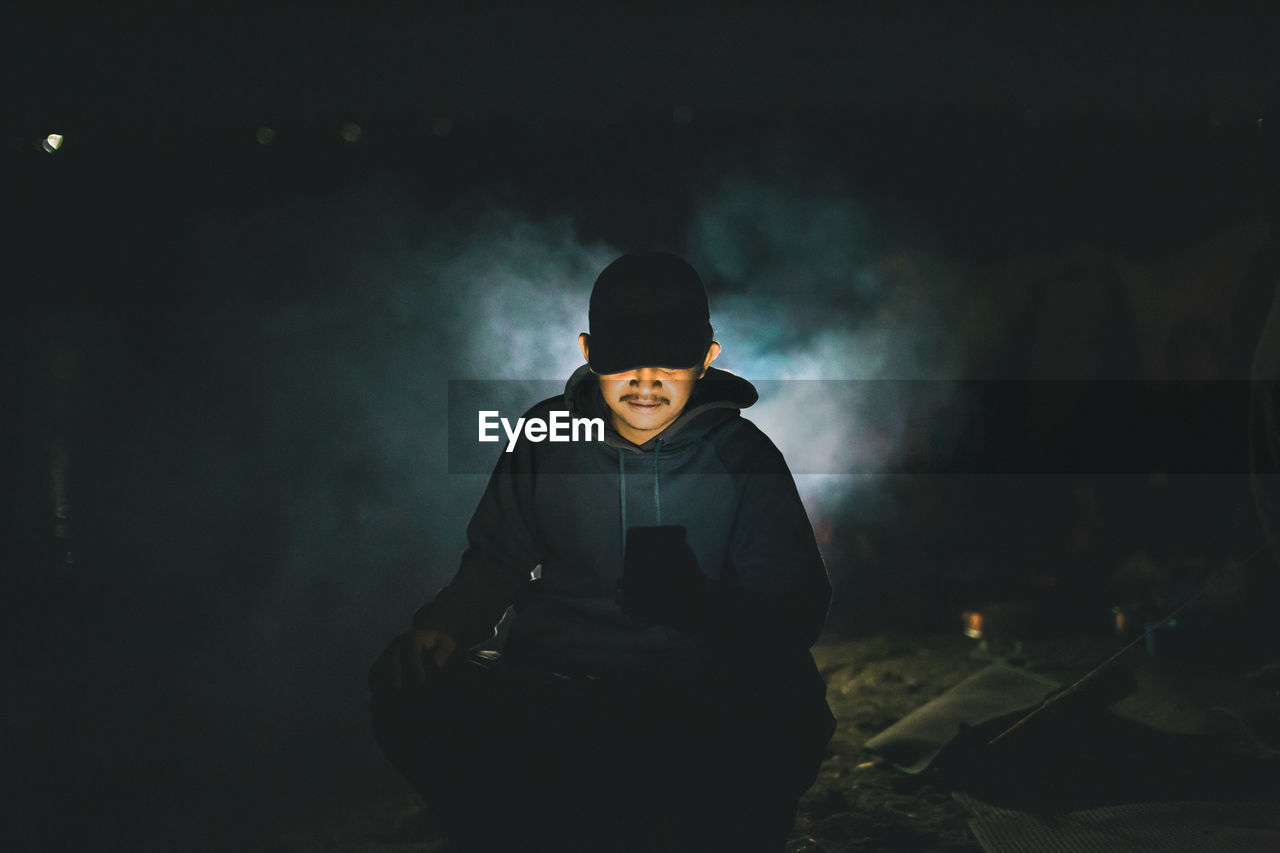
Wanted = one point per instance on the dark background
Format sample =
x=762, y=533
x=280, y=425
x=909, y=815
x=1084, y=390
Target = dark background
x=227, y=360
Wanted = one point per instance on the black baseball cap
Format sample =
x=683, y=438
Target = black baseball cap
x=648, y=309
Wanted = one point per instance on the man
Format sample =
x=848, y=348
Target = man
x=656, y=691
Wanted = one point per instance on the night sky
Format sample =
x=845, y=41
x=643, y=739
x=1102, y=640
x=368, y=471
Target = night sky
x=272, y=234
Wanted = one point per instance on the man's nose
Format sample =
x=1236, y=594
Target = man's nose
x=647, y=375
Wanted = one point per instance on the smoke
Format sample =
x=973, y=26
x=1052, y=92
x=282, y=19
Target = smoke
x=289, y=478
x=346, y=378
x=867, y=323
x=272, y=486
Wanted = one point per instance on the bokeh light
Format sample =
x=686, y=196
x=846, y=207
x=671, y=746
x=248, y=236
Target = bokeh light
x=265, y=135
x=351, y=132
x=52, y=142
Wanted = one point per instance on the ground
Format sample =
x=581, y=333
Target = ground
x=857, y=803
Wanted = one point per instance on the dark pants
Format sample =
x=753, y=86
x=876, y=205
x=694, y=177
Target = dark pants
x=515, y=759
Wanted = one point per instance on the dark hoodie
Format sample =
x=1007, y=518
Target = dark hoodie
x=565, y=507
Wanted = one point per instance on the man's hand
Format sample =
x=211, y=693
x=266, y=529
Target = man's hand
x=661, y=579
x=410, y=657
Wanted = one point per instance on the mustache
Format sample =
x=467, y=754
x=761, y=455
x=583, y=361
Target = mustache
x=640, y=398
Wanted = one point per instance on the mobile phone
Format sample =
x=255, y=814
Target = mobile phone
x=653, y=553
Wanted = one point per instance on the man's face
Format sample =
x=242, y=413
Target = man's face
x=645, y=401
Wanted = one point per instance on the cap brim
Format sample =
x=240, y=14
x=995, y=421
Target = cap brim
x=620, y=351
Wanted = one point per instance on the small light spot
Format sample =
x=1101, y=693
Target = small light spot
x=351, y=132
x=1120, y=620
x=442, y=127
x=52, y=142
x=682, y=115
x=265, y=136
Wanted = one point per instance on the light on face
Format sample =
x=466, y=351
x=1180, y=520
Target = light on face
x=52, y=142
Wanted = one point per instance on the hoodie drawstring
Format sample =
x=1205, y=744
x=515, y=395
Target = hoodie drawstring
x=657, y=500
x=622, y=496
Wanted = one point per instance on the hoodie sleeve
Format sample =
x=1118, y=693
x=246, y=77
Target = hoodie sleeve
x=502, y=551
x=777, y=592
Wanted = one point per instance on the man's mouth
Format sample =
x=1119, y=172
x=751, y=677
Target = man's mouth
x=644, y=405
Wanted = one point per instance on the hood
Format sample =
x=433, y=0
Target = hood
x=717, y=396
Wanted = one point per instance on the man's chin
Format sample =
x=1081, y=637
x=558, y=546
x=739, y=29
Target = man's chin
x=650, y=428
x=650, y=425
